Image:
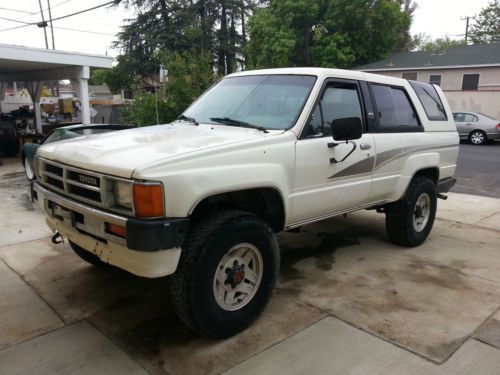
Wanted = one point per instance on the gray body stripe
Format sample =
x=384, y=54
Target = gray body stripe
x=366, y=165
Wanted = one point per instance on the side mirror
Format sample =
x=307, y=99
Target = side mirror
x=344, y=129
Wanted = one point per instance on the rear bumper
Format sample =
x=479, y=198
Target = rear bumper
x=151, y=247
x=445, y=185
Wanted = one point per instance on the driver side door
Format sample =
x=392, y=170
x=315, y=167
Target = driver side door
x=323, y=183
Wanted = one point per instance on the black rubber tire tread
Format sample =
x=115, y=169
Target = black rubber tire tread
x=87, y=256
x=182, y=283
x=477, y=144
x=399, y=215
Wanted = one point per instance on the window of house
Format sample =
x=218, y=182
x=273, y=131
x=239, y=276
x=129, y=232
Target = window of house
x=394, y=109
x=435, y=79
x=470, y=82
x=339, y=100
x=430, y=101
x=409, y=75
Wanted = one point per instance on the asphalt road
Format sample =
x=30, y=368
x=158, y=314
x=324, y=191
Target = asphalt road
x=478, y=170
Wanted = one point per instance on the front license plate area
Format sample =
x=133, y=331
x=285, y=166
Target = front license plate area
x=61, y=213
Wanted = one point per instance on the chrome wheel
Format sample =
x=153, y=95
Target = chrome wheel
x=477, y=138
x=421, y=212
x=238, y=277
x=29, y=170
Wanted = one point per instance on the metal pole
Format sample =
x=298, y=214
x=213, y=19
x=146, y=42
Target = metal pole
x=43, y=22
x=467, y=29
x=51, y=28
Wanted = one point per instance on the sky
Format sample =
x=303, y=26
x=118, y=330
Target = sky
x=437, y=18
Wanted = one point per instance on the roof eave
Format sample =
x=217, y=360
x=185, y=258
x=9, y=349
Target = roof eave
x=430, y=67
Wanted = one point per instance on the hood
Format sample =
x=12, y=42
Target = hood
x=120, y=153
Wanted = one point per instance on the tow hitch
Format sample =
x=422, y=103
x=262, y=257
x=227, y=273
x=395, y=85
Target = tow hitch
x=57, y=238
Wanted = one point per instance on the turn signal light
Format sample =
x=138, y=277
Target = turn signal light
x=117, y=230
x=148, y=200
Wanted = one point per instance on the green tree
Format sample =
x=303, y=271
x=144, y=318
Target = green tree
x=329, y=33
x=187, y=79
x=486, y=28
x=422, y=42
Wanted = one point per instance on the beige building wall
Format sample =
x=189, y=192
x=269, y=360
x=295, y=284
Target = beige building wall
x=486, y=99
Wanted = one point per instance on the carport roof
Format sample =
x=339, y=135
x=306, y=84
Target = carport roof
x=18, y=63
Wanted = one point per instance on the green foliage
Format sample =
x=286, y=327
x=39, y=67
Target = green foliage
x=142, y=111
x=188, y=78
x=422, y=42
x=328, y=33
x=486, y=29
x=116, y=78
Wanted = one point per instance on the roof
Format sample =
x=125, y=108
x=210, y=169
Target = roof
x=457, y=57
x=18, y=63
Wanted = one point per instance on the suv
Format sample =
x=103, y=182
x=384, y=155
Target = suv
x=259, y=153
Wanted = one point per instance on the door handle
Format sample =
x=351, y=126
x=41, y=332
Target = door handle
x=365, y=146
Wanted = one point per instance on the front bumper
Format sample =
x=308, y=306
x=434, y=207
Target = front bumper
x=151, y=247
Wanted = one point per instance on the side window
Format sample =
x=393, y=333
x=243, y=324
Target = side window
x=469, y=118
x=459, y=117
x=395, y=112
x=339, y=100
x=430, y=101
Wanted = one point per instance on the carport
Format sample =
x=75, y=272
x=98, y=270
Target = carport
x=35, y=65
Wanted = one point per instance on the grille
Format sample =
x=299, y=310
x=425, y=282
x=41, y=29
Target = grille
x=80, y=184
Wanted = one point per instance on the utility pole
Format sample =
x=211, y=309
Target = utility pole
x=43, y=24
x=51, y=28
x=466, y=18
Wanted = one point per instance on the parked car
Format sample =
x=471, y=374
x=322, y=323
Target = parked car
x=66, y=132
x=9, y=140
x=261, y=152
x=475, y=127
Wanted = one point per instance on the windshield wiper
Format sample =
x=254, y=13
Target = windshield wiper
x=188, y=118
x=233, y=122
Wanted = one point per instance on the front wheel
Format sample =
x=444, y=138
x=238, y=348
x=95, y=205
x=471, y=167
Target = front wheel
x=227, y=271
x=28, y=170
x=410, y=220
x=477, y=137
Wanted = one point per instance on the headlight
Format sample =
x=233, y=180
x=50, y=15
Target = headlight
x=123, y=194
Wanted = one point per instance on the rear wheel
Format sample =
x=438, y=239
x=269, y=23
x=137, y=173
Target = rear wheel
x=227, y=271
x=477, y=137
x=87, y=256
x=410, y=220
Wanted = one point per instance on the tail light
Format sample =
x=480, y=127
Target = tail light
x=498, y=126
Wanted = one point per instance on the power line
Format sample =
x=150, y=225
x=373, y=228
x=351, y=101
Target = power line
x=83, y=31
x=17, y=27
x=36, y=13
x=25, y=24
x=83, y=11
x=13, y=20
x=18, y=11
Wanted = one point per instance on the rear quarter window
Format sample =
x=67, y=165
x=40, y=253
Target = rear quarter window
x=430, y=100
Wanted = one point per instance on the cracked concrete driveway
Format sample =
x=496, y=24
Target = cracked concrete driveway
x=348, y=301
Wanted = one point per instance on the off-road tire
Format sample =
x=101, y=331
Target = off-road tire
x=475, y=135
x=399, y=215
x=87, y=256
x=209, y=239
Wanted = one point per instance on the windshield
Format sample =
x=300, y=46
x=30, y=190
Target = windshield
x=269, y=101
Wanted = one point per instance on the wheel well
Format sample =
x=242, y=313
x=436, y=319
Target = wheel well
x=263, y=202
x=432, y=173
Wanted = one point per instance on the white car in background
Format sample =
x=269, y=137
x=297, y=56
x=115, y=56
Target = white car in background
x=477, y=128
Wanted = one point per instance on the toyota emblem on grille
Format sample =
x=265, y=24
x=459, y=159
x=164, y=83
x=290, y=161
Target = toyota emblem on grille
x=87, y=180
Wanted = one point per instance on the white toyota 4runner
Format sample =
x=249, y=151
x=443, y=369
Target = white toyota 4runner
x=259, y=153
